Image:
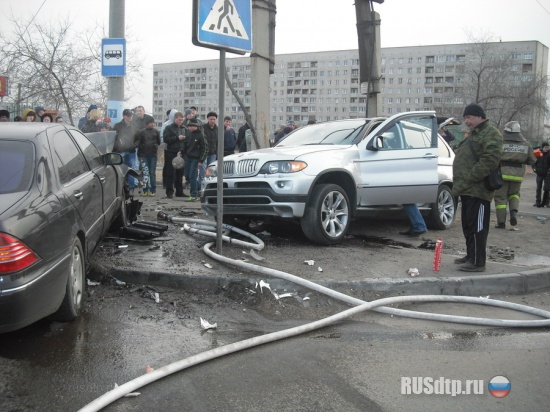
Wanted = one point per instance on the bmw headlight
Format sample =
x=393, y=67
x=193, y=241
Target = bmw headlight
x=283, y=166
x=212, y=171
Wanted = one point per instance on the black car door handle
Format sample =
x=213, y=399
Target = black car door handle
x=78, y=194
x=102, y=179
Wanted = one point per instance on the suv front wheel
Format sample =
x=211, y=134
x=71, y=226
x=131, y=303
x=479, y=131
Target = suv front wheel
x=327, y=215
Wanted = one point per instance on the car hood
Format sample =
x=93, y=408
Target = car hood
x=284, y=153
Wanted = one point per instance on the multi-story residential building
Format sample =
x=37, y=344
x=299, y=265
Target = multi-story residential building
x=326, y=85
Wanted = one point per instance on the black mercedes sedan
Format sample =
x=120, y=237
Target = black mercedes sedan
x=59, y=195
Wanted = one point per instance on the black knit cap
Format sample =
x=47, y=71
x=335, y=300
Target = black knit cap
x=474, y=110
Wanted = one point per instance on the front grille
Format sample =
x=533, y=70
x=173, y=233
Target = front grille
x=247, y=167
x=228, y=168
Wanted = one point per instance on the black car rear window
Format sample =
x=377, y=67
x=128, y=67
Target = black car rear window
x=16, y=166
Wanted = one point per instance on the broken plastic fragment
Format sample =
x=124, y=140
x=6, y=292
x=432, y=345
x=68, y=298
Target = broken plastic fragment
x=208, y=265
x=413, y=272
x=149, y=369
x=255, y=255
x=263, y=285
x=122, y=246
x=319, y=269
x=309, y=262
x=206, y=325
x=92, y=283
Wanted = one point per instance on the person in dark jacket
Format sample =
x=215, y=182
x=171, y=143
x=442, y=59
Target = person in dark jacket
x=541, y=168
x=83, y=119
x=139, y=118
x=195, y=149
x=290, y=126
x=149, y=142
x=229, y=137
x=210, y=130
x=174, y=136
x=95, y=117
x=468, y=177
x=126, y=142
x=241, y=137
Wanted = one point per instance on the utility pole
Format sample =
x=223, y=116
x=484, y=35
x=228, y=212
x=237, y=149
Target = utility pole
x=115, y=88
x=262, y=60
x=368, y=35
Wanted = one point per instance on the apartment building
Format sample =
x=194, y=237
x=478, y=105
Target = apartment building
x=326, y=85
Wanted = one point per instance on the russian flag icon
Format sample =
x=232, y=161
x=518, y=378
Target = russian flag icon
x=499, y=386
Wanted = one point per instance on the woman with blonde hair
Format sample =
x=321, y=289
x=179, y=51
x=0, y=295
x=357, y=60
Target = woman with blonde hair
x=95, y=118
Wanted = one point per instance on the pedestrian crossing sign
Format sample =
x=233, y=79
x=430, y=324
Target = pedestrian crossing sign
x=223, y=24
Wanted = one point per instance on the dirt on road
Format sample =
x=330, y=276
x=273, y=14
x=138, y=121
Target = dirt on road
x=373, y=249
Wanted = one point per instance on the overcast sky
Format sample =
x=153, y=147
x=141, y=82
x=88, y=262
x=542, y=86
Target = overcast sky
x=162, y=28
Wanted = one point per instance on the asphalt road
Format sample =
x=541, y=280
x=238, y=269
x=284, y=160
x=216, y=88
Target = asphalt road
x=354, y=365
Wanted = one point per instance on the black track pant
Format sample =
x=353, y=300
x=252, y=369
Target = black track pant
x=476, y=216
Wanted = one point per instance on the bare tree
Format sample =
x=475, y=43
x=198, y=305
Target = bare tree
x=507, y=88
x=55, y=66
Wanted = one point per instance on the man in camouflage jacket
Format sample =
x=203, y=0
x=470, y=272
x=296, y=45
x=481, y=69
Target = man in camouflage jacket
x=516, y=153
x=468, y=176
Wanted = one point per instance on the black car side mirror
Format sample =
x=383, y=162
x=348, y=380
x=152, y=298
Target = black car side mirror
x=113, y=159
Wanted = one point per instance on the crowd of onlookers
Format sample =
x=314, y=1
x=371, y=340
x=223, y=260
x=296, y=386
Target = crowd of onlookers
x=39, y=114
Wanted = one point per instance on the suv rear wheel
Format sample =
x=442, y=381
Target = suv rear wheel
x=327, y=215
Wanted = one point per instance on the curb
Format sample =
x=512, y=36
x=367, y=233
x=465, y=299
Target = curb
x=501, y=284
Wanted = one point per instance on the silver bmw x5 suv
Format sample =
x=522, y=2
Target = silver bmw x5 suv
x=326, y=174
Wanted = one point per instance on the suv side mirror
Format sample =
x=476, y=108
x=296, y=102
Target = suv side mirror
x=376, y=143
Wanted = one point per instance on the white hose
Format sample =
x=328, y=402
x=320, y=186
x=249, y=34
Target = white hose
x=378, y=305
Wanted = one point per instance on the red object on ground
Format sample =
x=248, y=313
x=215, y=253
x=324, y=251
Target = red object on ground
x=437, y=254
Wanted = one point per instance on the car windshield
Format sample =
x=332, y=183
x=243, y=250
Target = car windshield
x=330, y=133
x=16, y=166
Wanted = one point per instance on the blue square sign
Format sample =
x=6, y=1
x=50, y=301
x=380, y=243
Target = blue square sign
x=223, y=24
x=113, y=57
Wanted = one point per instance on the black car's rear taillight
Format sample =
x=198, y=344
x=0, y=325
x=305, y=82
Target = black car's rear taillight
x=14, y=254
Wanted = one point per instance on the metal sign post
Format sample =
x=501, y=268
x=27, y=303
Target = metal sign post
x=224, y=25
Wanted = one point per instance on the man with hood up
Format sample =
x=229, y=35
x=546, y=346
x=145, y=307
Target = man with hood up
x=516, y=153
